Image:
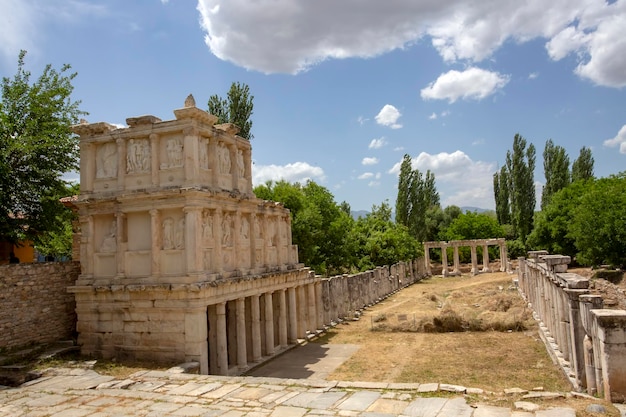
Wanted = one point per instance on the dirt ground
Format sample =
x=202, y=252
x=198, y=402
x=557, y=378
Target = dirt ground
x=400, y=341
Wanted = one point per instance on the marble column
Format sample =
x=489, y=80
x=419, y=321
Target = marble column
x=292, y=336
x=222, y=344
x=486, y=259
x=121, y=163
x=302, y=322
x=319, y=302
x=312, y=322
x=87, y=166
x=427, y=259
x=242, y=355
x=255, y=317
x=444, y=260
x=154, y=154
x=190, y=154
x=269, y=324
x=282, y=319
x=474, y=270
x=155, y=255
x=120, y=223
x=457, y=268
x=504, y=261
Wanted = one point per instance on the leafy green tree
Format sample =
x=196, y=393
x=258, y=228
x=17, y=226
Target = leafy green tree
x=599, y=225
x=58, y=243
x=520, y=165
x=556, y=171
x=582, y=168
x=36, y=148
x=379, y=241
x=473, y=225
x=502, y=195
x=416, y=194
x=236, y=108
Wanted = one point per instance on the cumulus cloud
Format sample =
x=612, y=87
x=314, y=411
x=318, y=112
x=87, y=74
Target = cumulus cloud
x=369, y=161
x=377, y=143
x=460, y=180
x=366, y=176
x=388, y=116
x=619, y=140
x=433, y=116
x=290, y=36
x=296, y=172
x=473, y=83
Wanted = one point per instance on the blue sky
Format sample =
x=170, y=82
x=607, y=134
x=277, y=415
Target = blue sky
x=343, y=89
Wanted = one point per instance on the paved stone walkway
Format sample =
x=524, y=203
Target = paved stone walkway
x=80, y=392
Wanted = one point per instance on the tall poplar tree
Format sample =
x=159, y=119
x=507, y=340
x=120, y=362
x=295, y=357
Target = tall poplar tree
x=520, y=164
x=236, y=108
x=501, y=195
x=582, y=168
x=555, y=169
x=416, y=194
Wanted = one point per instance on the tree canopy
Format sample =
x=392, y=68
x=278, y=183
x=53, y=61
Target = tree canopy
x=36, y=148
x=236, y=108
x=556, y=171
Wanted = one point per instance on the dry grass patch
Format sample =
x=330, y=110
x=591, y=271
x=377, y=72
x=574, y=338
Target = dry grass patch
x=474, y=355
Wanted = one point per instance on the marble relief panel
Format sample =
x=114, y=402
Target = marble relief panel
x=106, y=160
x=138, y=160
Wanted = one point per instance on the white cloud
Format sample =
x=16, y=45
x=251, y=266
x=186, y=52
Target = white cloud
x=398, y=148
x=388, y=116
x=290, y=36
x=377, y=143
x=296, y=172
x=473, y=83
x=373, y=184
x=369, y=161
x=433, y=116
x=619, y=140
x=366, y=176
x=460, y=180
x=480, y=141
x=533, y=75
x=362, y=120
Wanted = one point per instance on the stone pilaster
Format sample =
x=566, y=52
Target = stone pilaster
x=282, y=319
x=222, y=340
x=255, y=317
x=269, y=324
x=293, y=316
x=242, y=355
x=154, y=155
x=121, y=163
x=157, y=241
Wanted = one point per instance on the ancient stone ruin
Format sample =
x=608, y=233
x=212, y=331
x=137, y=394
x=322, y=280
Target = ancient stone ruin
x=472, y=244
x=181, y=262
x=585, y=339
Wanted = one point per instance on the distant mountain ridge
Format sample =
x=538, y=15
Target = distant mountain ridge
x=362, y=213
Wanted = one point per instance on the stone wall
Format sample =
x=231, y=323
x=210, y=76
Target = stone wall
x=586, y=340
x=35, y=306
x=343, y=295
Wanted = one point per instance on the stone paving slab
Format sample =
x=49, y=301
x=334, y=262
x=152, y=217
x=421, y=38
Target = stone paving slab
x=156, y=393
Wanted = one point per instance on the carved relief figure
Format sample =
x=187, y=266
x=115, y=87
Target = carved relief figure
x=240, y=166
x=204, y=153
x=257, y=228
x=245, y=228
x=109, y=243
x=226, y=231
x=137, y=156
x=174, y=153
x=168, y=233
x=224, y=158
x=207, y=226
x=271, y=232
x=107, y=160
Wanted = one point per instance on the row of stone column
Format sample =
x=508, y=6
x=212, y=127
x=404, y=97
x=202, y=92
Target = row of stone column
x=456, y=264
x=274, y=321
x=555, y=296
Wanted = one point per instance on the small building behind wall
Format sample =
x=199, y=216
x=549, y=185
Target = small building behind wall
x=179, y=260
